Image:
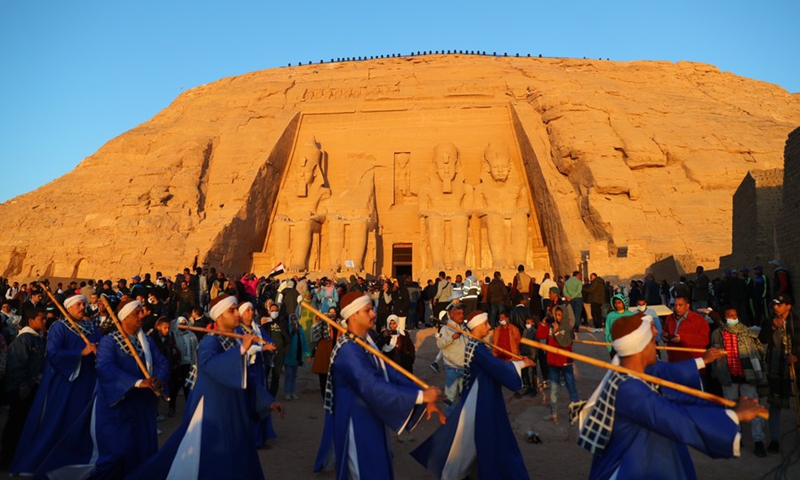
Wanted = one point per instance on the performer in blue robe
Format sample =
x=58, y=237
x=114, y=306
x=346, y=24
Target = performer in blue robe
x=213, y=441
x=64, y=396
x=478, y=435
x=126, y=408
x=258, y=397
x=363, y=397
x=636, y=430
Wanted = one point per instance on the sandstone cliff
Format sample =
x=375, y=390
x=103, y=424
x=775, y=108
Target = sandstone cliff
x=617, y=154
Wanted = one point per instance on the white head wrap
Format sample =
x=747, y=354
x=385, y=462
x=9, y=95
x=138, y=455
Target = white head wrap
x=183, y=321
x=73, y=300
x=243, y=307
x=477, y=320
x=223, y=305
x=128, y=309
x=355, y=306
x=392, y=317
x=636, y=341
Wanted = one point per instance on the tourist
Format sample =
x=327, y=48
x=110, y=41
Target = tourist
x=686, y=329
x=573, y=293
x=740, y=372
x=559, y=335
x=296, y=352
x=781, y=336
x=595, y=293
x=497, y=296
x=505, y=336
x=23, y=369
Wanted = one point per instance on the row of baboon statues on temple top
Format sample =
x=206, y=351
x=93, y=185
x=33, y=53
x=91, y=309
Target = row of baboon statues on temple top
x=500, y=197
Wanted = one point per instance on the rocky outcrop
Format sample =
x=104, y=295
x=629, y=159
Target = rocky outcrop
x=639, y=153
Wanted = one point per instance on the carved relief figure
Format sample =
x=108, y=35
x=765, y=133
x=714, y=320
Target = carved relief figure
x=300, y=215
x=446, y=198
x=403, y=173
x=353, y=207
x=500, y=197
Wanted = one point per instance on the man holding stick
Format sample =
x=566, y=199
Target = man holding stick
x=214, y=440
x=65, y=394
x=627, y=419
x=126, y=409
x=363, y=396
x=478, y=436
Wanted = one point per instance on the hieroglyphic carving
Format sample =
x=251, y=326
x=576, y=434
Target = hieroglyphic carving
x=446, y=198
x=501, y=196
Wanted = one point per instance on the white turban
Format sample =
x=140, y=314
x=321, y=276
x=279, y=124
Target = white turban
x=128, y=308
x=477, y=320
x=355, y=306
x=243, y=307
x=221, y=306
x=636, y=341
x=73, y=300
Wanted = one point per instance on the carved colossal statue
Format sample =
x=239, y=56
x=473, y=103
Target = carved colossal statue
x=301, y=214
x=500, y=197
x=353, y=208
x=446, y=198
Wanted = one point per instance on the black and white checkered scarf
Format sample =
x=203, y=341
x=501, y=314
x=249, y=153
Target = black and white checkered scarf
x=596, y=430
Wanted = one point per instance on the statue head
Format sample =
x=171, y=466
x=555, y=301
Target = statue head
x=308, y=160
x=498, y=162
x=445, y=158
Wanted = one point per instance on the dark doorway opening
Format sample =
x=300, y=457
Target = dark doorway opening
x=402, y=259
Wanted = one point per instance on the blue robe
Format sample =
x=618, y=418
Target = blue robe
x=65, y=394
x=258, y=397
x=478, y=433
x=125, y=415
x=367, y=398
x=214, y=439
x=651, y=431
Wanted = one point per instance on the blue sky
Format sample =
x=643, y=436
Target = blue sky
x=77, y=74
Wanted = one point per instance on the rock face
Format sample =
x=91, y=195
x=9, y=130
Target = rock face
x=342, y=167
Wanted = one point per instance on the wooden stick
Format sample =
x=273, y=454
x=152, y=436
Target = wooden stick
x=67, y=316
x=491, y=345
x=128, y=342
x=659, y=347
x=641, y=375
x=221, y=334
x=366, y=346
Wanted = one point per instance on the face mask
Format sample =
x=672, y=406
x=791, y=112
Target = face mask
x=160, y=284
x=528, y=326
x=273, y=315
x=732, y=321
x=502, y=322
x=642, y=308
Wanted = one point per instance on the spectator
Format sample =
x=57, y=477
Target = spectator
x=497, y=296
x=295, y=354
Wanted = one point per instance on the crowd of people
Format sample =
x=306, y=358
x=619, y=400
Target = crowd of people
x=102, y=354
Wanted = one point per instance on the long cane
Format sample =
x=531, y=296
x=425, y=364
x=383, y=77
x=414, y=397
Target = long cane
x=67, y=316
x=659, y=347
x=640, y=375
x=366, y=346
x=221, y=334
x=539, y=384
x=490, y=345
x=128, y=342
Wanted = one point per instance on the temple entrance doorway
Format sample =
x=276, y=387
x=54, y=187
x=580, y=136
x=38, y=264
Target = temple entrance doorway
x=402, y=259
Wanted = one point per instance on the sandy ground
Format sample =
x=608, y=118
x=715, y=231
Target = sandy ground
x=292, y=454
